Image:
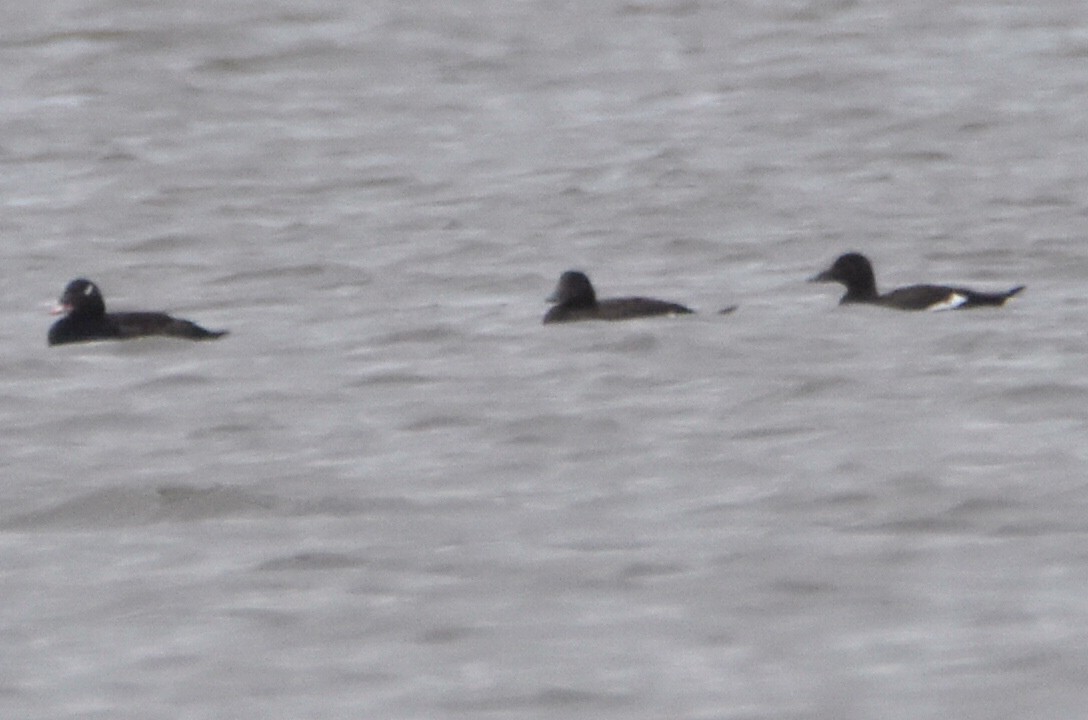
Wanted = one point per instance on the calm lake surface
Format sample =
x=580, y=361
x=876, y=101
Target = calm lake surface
x=392, y=493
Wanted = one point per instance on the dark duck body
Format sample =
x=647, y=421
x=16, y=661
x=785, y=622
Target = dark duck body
x=575, y=300
x=85, y=319
x=856, y=273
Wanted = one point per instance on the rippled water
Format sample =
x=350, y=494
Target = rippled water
x=391, y=492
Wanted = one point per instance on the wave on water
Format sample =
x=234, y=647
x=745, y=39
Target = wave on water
x=126, y=507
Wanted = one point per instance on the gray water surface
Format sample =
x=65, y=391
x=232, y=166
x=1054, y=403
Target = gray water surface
x=392, y=493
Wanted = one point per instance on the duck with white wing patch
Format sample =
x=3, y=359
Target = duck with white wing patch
x=856, y=272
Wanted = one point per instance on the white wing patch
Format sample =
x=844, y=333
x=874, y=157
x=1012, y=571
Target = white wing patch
x=954, y=300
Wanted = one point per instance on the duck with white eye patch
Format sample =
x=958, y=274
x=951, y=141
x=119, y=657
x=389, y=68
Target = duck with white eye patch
x=85, y=320
x=856, y=272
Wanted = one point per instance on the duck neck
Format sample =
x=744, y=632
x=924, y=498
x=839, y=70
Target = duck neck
x=90, y=308
x=861, y=289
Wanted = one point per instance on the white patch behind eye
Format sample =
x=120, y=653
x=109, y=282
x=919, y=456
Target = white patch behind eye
x=89, y=290
x=954, y=300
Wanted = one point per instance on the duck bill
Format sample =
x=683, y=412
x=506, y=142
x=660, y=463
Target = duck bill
x=60, y=309
x=825, y=276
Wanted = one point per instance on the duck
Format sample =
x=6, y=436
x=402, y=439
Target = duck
x=856, y=272
x=576, y=300
x=85, y=320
